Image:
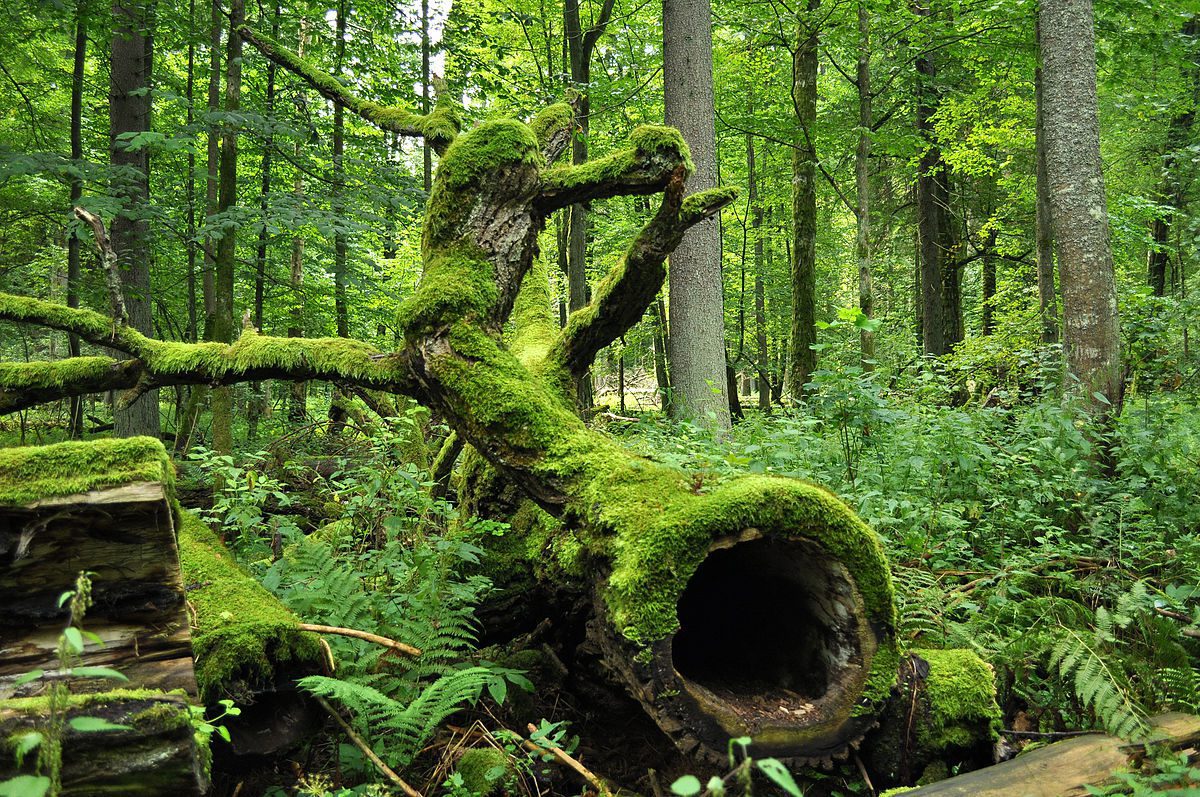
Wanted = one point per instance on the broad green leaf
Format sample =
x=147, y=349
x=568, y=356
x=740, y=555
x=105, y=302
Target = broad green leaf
x=778, y=773
x=687, y=786
x=94, y=724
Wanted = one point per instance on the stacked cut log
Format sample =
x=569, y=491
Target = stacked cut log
x=104, y=508
x=107, y=507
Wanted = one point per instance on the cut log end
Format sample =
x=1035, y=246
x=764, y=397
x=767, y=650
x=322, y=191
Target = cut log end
x=773, y=644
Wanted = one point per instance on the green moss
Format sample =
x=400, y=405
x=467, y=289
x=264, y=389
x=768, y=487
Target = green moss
x=458, y=283
x=486, y=771
x=244, y=637
x=897, y=790
x=961, y=693
x=550, y=120
x=42, y=375
x=28, y=474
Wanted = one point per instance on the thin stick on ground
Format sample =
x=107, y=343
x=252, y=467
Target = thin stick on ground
x=387, y=771
x=562, y=756
x=367, y=636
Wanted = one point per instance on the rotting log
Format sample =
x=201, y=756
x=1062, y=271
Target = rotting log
x=154, y=753
x=1067, y=768
x=670, y=559
x=249, y=648
x=104, y=507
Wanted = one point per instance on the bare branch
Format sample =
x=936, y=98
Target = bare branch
x=108, y=256
x=439, y=127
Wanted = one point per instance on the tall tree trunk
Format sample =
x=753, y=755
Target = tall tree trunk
x=1078, y=207
x=190, y=92
x=696, y=304
x=426, y=78
x=580, y=45
x=1171, y=187
x=226, y=259
x=74, y=272
x=862, y=186
x=933, y=197
x=298, y=400
x=258, y=399
x=1047, y=293
x=340, y=242
x=760, y=297
x=129, y=105
x=989, y=283
x=803, y=357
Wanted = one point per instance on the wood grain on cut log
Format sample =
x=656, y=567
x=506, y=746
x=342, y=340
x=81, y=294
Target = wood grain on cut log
x=1066, y=768
x=124, y=535
x=155, y=753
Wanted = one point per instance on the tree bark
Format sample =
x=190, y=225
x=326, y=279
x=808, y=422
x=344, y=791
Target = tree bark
x=1047, y=291
x=74, y=272
x=802, y=359
x=129, y=106
x=862, y=186
x=1171, y=187
x=1078, y=208
x=696, y=302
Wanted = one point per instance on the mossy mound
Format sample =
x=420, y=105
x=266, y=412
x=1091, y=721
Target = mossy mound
x=487, y=772
x=960, y=690
x=33, y=473
x=244, y=639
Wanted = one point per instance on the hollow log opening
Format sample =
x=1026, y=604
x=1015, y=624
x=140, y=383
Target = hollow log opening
x=770, y=635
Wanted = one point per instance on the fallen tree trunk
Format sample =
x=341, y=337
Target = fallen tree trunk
x=670, y=560
x=1069, y=767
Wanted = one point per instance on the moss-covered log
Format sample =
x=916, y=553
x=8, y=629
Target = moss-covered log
x=756, y=606
x=248, y=647
x=153, y=752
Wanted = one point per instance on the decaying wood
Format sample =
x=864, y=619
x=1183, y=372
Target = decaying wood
x=154, y=754
x=1067, y=768
x=123, y=535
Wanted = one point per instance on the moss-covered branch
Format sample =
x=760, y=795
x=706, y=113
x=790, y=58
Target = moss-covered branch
x=645, y=167
x=159, y=363
x=439, y=127
x=623, y=296
x=554, y=126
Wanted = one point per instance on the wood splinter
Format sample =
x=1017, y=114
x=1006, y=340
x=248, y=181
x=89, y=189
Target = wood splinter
x=367, y=636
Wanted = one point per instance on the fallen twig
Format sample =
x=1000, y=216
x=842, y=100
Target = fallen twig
x=367, y=751
x=408, y=650
x=562, y=756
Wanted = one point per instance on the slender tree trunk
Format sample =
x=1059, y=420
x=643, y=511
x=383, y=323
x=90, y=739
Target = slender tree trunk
x=340, y=242
x=933, y=198
x=298, y=400
x=862, y=185
x=258, y=398
x=1171, y=187
x=226, y=259
x=74, y=272
x=762, y=358
x=426, y=79
x=190, y=92
x=1079, y=210
x=659, y=315
x=1047, y=293
x=129, y=104
x=803, y=358
x=762, y=352
x=989, y=283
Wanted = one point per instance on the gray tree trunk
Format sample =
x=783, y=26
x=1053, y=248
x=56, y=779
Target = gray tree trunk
x=1078, y=208
x=129, y=107
x=696, y=305
x=74, y=273
x=1047, y=293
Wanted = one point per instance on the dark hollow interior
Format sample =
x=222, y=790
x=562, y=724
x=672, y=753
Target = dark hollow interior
x=760, y=618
